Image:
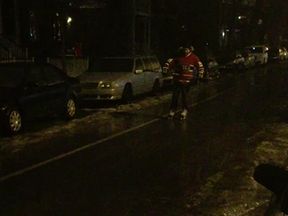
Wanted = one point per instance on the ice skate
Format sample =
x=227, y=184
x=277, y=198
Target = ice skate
x=183, y=114
x=171, y=114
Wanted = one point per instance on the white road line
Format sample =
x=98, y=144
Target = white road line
x=75, y=151
x=19, y=172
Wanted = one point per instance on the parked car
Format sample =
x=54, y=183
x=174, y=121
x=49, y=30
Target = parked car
x=285, y=53
x=211, y=68
x=242, y=60
x=237, y=61
x=276, y=54
x=31, y=90
x=121, y=78
x=167, y=76
x=260, y=52
x=250, y=60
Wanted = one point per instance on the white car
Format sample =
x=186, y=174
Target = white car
x=285, y=53
x=121, y=78
x=260, y=52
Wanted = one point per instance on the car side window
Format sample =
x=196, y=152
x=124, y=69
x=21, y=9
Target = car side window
x=36, y=76
x=155, y=64
x=139, y=65
x=147, y=64
x=54, y=75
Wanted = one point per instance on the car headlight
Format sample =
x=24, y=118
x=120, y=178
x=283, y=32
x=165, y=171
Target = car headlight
x=4, y=107
x=105, y=85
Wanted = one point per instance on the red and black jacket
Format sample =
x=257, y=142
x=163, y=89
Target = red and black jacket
x=184, y=68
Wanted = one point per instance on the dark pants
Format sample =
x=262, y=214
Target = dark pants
x=178, y=89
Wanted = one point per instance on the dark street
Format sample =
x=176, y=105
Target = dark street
x=89, y=122
x=138, y=163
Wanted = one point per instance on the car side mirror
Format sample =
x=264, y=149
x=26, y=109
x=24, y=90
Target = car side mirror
x=138, y=71
x=275, y=179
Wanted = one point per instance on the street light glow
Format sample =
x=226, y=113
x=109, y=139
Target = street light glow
x=69, y=20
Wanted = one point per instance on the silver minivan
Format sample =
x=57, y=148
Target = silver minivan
x=121, y=78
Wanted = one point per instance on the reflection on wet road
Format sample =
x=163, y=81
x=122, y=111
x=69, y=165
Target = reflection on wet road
x=164, y=168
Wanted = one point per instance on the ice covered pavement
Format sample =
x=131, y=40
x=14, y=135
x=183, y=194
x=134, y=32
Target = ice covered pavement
x=53, y=128
x=219, y=196
x=56, y=127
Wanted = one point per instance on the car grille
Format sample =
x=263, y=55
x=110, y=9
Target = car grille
x=90, y=85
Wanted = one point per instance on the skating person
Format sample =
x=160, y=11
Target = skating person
x=186, y=70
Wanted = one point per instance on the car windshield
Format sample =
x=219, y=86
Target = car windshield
x=112, y=65
x=11, y=77
x=256, y=49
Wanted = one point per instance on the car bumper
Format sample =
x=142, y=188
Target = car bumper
x=101, y=94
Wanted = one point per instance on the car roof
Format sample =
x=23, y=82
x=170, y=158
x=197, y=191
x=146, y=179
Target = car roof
x=128, y=57
x=256, y=46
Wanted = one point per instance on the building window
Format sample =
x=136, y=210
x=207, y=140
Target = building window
x=56, y=27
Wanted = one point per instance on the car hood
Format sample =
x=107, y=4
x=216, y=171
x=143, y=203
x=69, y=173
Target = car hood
x=8, y=95
x=103, y=76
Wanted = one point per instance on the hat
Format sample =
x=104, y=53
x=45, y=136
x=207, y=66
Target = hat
x=191, y=48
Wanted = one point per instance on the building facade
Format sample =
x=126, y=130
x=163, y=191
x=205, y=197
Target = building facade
x=104, y=27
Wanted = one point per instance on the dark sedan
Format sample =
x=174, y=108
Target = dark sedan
x=31, y=90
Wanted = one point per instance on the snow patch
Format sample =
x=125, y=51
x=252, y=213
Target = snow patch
x=248, y=195
x=206, y=190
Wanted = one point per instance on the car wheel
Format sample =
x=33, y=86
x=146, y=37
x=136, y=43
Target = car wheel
x=156, y=88
x=13, y=124
x=70, y=109
x=127, y=95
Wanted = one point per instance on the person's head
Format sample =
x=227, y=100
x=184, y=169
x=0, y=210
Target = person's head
x=188, y=50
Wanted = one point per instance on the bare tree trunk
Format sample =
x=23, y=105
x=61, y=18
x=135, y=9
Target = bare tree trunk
x=275, y=22
x=231, y=42
x=63, y=24
x=220, y=25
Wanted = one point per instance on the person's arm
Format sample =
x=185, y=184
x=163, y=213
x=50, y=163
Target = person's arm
x=200, y=67
x=169, y=63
